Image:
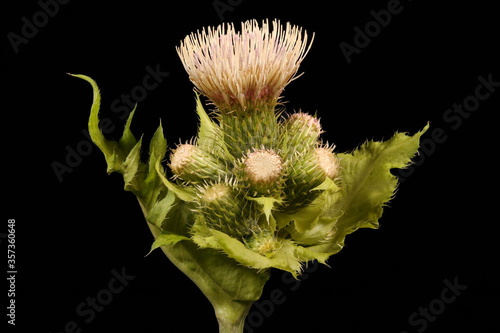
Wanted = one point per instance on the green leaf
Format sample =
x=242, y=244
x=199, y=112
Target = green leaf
x=207, y=128
x=306, y=226
x=285, y=258
x=222, y=280
x=107, y=147
x=153, y=185
x=115, y=153
x=93, y=124
x=367, y=181
x=128, y=140
x=166, y=239
x=315, y=232
x=225, y=282
x=157, y=148
x=132, y=168
x=209, y=136
x=182, y=193
x=301, y=220
x=308, y=253
x=157, y=214
x=266, y=205
x=180, y=218
x=367, y=185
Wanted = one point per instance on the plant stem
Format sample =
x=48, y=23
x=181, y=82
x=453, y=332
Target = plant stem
x=230, y=312
x=231, y=317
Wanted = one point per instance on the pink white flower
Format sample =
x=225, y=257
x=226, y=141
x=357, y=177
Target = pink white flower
x=247, y=69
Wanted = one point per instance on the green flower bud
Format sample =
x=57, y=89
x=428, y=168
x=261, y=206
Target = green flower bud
x=301, y=132
x=189, y=163
x=263, y=242
x=304, y=174
x=263, y=169
x=224, y=209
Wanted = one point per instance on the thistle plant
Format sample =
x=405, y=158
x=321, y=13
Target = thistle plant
x=257, y=189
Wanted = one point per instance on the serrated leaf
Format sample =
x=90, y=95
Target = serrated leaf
x=166, y=239
x=93, y=123
x=308, y=253
x=367, y=181
x=209, y=136
x=285, y=258
x=301, y=220
x=266, y=205
x=107, y=147
x=328, y=185
x=206, y=129
x=314, y=233
x=152, y=186
x=115, y=153
x=157, y=148
x=132, y=168
x=128, y=140
x=182, y=193
x=367, y=185
x=160, y=209
x=220, y=278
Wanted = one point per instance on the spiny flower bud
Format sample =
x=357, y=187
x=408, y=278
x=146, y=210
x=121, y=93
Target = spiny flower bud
x=188, y=162
x=328, y=162
x=305, y=173
x=263, y=242
x=299, y=133
x=224, y=209
x=263, y=169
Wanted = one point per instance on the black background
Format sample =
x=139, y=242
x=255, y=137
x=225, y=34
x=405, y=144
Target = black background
x=71, y=233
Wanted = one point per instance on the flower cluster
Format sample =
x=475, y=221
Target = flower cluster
x=228, y=188
x=257, y=164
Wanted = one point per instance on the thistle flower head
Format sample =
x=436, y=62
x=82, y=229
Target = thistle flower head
x=244, y=70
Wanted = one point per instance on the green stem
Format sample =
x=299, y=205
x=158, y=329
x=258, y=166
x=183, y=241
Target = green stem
x=231, y=317
x=230, y=314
